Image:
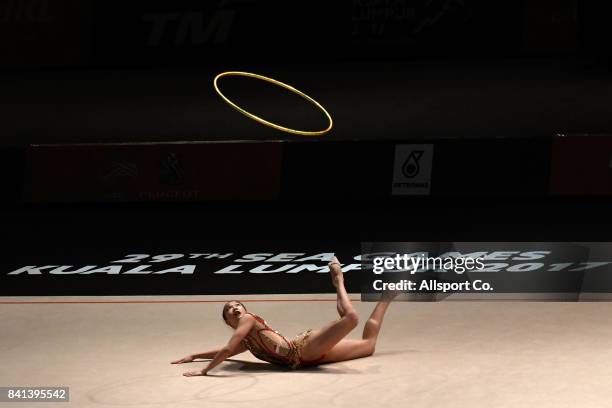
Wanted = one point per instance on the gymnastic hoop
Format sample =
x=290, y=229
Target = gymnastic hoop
x=268, y=123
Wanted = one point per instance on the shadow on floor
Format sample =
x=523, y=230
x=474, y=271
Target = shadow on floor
x=260, y=367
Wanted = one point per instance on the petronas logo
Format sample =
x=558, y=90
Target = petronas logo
x=411, y=168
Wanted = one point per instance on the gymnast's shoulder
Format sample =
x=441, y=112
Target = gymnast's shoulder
x=247, y=318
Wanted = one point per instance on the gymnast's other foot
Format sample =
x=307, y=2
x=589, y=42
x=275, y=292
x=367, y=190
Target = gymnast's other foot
x=336, y=273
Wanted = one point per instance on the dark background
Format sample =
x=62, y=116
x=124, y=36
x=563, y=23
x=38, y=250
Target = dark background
x=100, y=71
x=492, y=82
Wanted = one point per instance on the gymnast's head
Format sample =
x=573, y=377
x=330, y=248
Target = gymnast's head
x=232, y=312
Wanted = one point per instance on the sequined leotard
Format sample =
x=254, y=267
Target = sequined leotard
x=269, y=345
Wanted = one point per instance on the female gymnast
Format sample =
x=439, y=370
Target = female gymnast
x=312, y=347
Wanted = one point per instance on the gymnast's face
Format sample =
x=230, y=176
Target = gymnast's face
x=232, y=312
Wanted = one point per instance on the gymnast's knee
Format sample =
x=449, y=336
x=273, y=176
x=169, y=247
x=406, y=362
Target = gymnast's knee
x=371, y=348
x=352, y=317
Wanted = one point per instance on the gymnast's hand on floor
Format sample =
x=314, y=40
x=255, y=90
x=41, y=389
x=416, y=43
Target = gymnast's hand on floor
x=187, y=359
x=194, y=373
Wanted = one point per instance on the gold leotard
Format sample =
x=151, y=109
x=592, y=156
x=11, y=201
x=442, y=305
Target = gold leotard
x=269, y=345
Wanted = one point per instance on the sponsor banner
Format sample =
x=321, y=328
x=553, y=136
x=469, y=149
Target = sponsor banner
x=412, y=169
x=154, y=172
x=269, y=170
x=222, y=31
x=581, y=165
x=484, y=270
x=189, y=32
x=436, y=28
x=208, y=32
x=45, y=32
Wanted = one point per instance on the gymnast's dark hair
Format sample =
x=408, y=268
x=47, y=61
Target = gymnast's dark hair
x=223, y=311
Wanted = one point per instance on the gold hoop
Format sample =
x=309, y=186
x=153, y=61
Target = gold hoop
x=268, y=123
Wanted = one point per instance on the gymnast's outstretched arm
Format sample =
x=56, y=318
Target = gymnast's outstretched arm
x=245, y=324
x=211, y=354
x=208, y=354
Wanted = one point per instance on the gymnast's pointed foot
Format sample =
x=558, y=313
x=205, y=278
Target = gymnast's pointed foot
x=335, y=270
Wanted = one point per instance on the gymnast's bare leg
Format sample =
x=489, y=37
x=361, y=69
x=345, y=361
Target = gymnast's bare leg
x=330, y=342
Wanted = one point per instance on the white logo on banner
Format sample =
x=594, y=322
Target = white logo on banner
x=412, y=169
